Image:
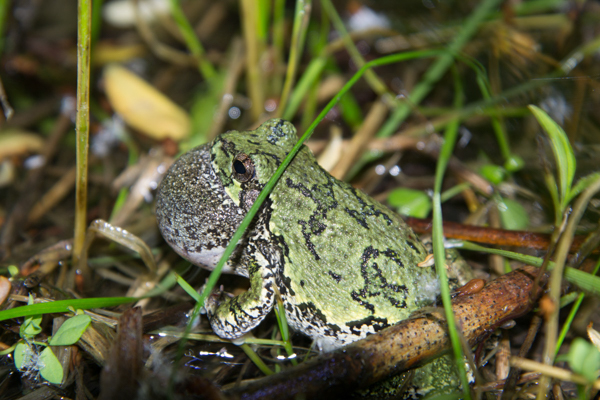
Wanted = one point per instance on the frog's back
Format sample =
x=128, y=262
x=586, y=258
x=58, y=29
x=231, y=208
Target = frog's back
x=350, y=263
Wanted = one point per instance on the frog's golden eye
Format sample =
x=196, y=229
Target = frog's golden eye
x=242, y=168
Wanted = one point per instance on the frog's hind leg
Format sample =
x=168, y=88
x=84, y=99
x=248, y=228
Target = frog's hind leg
x=233, y=317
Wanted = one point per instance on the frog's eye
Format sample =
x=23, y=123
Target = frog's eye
x=242, y=167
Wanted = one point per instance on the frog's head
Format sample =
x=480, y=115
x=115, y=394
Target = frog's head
x=207, y=191
x=245, y=161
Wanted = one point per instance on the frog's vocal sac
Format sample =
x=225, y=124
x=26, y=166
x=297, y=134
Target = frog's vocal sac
x=344, y=265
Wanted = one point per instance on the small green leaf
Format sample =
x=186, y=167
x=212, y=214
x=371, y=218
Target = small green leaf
x=13, y=270
x=514, y=163
x=563, y=152
x=584, y=359
x=70, y=331
x=512, y=214
x=584, y=280
x=31, y=325
x=49, y=366
x=414, y=203
x=22, y=354
x=493, y=173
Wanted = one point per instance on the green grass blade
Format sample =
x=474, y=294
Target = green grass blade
x=582, y=184
x=440, y=67
x=308, y=79
x=583, y=280
x=62, y=306
x=191, y=40
x=374, y=81
x=567, y=325
x=187, y=287
x=256, y=359
x=301, y=18
x=439, y=252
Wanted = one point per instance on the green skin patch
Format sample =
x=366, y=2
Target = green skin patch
x=345, y=265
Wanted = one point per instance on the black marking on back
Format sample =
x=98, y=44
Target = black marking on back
x=365, y=210
x=375, y=284
x=411, y=244
x=324, y=198
x=376, y=322
x=335, y=276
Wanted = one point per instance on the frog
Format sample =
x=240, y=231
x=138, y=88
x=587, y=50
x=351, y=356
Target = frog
x=344, y=265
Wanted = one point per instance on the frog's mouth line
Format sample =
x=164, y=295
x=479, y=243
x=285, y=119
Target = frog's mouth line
x=207, y=259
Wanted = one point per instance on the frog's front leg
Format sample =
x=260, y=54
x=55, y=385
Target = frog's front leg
x=232, y=317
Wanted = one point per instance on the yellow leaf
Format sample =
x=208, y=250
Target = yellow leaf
x=17, y=142
x=143, y=107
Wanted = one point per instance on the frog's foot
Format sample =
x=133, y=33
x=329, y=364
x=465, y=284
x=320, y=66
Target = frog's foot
x=232, y=317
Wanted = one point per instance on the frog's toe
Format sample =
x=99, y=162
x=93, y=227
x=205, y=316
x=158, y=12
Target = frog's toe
x=214, y=299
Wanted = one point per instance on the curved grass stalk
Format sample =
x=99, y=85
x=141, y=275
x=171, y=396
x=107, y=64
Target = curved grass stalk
x=562, y=251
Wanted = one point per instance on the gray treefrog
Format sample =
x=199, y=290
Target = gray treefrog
x=344, y=265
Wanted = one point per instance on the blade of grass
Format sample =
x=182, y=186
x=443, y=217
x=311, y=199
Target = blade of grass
x=581, y=279
x=284, y=330
x=307, y=81
x=581, y=184
x=316, y=46
x=301, y=18
x=439, y=68
x=497, y=124
x=372, y=79
x=439, y=252
x=84, y=28
x=256, y=359
x=187, y=287
x=254, y=48
x=96, y=19
x=4, y=12
x=62, y=306
x=262, y=27
x=191, y=40
x=278, y=42
x=571, y=316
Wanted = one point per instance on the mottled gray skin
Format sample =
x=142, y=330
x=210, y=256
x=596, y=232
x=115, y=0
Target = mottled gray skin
x=344, y=265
